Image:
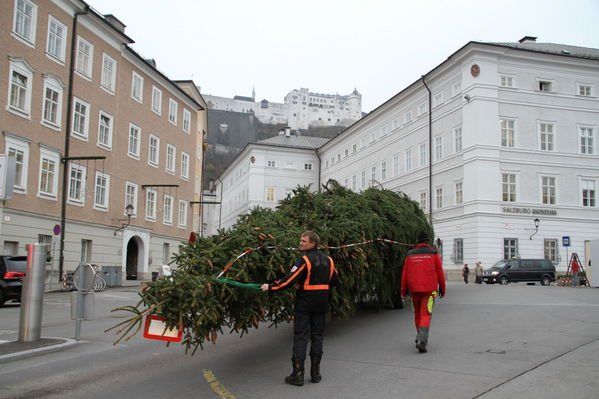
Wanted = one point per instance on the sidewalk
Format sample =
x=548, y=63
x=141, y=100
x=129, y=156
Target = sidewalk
x=15, y=350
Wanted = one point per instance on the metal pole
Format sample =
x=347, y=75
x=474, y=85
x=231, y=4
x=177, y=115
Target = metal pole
x=32, y=297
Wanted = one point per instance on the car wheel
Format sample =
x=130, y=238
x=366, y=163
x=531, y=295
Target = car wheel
x=503, y=280
x=545, y=280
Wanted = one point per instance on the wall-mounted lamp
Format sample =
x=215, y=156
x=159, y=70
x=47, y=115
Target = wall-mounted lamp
x=129, y=210
x=537, y=222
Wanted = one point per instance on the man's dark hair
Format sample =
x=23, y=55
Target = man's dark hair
x=423, y=237
x=313, y=237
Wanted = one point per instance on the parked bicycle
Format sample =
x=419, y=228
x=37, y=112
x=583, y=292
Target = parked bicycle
x=69, y=280
x=67, y=283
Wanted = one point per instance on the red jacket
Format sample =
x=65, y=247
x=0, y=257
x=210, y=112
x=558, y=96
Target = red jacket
x=575, y=266
x=423, y=271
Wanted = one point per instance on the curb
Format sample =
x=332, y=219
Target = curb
x=68, y=342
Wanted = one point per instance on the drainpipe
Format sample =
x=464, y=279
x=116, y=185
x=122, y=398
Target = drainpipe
x=430, y=152
x=220, y=208
x=67, y=141
x=319, y=168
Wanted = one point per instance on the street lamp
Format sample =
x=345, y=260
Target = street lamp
x=378, y=182
x=129, y=209
x=537, y=222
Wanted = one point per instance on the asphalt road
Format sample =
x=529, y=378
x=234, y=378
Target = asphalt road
x=486, y=341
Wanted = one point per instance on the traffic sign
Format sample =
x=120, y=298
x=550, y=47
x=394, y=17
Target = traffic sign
x=566, y=241
x=155, y=328
x=56, y=229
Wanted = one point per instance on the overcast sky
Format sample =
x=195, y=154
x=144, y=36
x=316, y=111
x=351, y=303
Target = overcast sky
x=332, y=46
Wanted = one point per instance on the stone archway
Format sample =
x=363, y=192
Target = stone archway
x=134, y=258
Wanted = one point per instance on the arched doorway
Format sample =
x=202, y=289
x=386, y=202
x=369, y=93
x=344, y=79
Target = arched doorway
x=132, y=258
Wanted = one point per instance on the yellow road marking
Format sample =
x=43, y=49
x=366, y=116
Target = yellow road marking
x=216, y=386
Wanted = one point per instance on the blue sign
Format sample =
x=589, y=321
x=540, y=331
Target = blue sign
x=566, y=241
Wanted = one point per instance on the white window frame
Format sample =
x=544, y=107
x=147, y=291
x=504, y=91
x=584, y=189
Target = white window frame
x=85, y=73
x=22, y=146
x=134, y=155
x=107, y=146
x=60, y=57
x=439, y=200
x=134, y=203
x=154, y=162
x=422, y=109
x=541, y=188
x=593, y=138
x=423, y=153
x=506, y=77
x=54, y=157
x=137, y=87
x=171, y=159
x=186, y=120
x=52, y=83
x=550, y=249
x=456, y=88
x=74, y=200
x=507, y=249
x=151, y=210
x=85, y=134
x=28, y=40
x=595, y=181
x=270, y=194
x=458, y=137
x=438, y=148
x=509, y=191
x=407, y=117
x=384, y=170
x=182, y=214
x=458, y=250
x=108, y=82
x=23, y=68
x=396, y=164
x=408, y=159
x=271, y=164
x=363, y=179
x=551, y=82
x=167, y=210
x=438, y=99
x=580, y=85
x=173, y=109
x=104, y=205
x=553, y=135
x=423, y=200
x=184, y=166
x=507, y=130
x=156, y=100
x=459, y=192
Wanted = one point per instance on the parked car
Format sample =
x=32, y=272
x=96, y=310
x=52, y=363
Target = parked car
x=516, y=270
x=12, y=271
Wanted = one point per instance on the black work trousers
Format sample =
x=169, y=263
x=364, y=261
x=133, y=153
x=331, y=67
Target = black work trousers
x=307, y=325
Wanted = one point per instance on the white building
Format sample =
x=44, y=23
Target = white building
x=514, y=138
x=261, y=175
x=302, y=109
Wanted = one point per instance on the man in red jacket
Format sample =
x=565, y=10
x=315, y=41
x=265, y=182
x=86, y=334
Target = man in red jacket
x=422, y=276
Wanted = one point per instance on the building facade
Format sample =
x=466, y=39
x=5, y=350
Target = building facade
x=61, y=55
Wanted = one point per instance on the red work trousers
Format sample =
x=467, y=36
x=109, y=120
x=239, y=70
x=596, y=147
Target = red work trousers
x=422, y=308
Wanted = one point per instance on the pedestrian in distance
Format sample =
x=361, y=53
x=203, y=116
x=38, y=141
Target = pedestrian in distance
x=465, y=272
x=424, y=279
x=478, y=273
x=575, y=273
x=314, y=274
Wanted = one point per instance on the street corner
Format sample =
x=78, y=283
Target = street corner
x=15, y=350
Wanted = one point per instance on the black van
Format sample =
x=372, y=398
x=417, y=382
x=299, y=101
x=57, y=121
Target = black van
x=515, y=270
x=12, y=271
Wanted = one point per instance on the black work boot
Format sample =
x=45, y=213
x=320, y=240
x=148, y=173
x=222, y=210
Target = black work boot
x=423, y=339
x=297, y=376
x=315, y=369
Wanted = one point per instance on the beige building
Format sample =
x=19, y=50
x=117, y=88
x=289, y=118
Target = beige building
x=100, y=100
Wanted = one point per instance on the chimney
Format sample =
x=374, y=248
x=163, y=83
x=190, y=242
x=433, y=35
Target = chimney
x=114, y=21
x=528, y=39
x=287, y=131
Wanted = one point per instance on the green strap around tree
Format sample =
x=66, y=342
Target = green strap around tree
x=249, y=286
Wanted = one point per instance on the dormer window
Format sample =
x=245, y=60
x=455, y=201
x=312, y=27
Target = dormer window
x=544, y=85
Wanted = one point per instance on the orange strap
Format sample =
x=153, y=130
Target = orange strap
x=316, y=287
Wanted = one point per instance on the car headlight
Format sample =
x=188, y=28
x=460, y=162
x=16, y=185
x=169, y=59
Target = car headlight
x=494, y=273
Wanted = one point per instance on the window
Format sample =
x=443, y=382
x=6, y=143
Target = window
x=25, y=18
x=170, y=158
x=77, y=185
x=134, y=141
x=172, y=111
x=156, y=100
x=457, y=139
x=137, y=87
x=346, y=154
x=20, y=150
x=108, y=73
x=508, y=181
x=438, y=148
x=184, y=166
x=548, y=190
x=154, y=150
x=327, y=164
x=546, y=133
x=407, y=117
x=545, y=85
x=86, y=251
x=372, y=136
x=354, y=148
x=168, y=210
x=423, y=196
x=166, y=253
x=438, y=99
x=131, y=196
x=186, y=121
x=80, y=126
x=550, y=249
x=395, y=164
x=395, y=124
x=456, y=88
x=271, y=164
x=506, y=81
x=105, y=130
x=439, y=197
x=85, y=57
x=52, y=106
x=458, y=250
x=363, y=184
x=384, y=170
x=11, y=248
x=588, y=192
x=151, y=205
x=338, y=157
x=19, y=94
x=270, y=194
x=423, y=154
x=508, y=132
x=372, y=174
x=587, y=143
x=49, y=161
x=354, y=182
x=408, y=159
x=510, y=248
x=459, y=193
x=422, y=108
x=101, y=192
x=57, y=33
x=182, y=214
x=584, y=89
x=307, y=166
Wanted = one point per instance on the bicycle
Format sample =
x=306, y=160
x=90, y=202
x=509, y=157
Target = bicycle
x=99, y=280
x=67, y=283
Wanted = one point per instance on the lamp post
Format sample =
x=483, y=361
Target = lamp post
x=378, y=182
x=537, y=222
x=129, y=209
